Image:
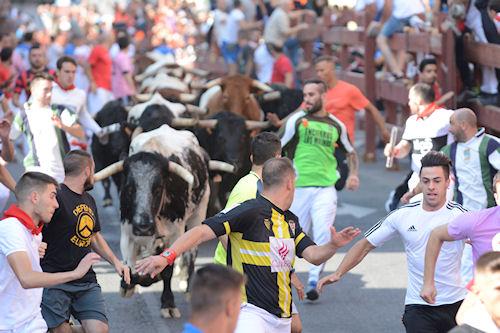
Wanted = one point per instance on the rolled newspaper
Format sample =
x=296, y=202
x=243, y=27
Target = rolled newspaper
x=392, y=142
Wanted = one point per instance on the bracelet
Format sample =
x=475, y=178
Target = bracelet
x=170, y=255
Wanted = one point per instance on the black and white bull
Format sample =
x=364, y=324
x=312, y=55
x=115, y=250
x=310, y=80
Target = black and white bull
x=165, y=192
x=281, y=104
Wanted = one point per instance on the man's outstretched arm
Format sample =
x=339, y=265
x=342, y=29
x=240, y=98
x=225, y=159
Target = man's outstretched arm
x=153, y=265
x=352, y=258
x=319, y=254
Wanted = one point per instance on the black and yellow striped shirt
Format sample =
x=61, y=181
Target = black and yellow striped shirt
x=263, y=242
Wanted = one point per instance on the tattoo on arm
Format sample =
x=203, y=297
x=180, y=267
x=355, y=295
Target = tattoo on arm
x=352, y=162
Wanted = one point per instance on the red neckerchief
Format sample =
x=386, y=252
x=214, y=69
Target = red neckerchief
x=427, y=111
x=25, y=220
x=71, y=87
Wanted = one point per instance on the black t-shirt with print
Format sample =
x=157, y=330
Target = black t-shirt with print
x=69, y=233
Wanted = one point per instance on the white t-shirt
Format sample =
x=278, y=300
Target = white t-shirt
x=430, y=133
x=45, y=149
x=414, y=225
x=264, y=63
x=361, y=4
x=230, y=33
x=75, y=100
x=18, y=305
x=404, y=8
x=220, y=20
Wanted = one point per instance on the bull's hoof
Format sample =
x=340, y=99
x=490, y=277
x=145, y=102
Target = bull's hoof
x=170, y=313
x=127, y=292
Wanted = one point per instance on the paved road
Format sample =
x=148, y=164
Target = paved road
x=369, y=299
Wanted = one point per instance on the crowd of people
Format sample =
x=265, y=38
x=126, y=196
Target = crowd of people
x=55, y=77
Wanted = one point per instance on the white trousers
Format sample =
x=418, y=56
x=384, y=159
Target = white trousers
x=316, y=208
x=253, y=319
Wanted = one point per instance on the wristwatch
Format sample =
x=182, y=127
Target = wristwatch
x=170, y=255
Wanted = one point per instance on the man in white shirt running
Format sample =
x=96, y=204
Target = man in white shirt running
x=66, y=96
x=414, y=223
x=21, y=277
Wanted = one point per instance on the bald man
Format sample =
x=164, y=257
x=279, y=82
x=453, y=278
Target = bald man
x=475, y=156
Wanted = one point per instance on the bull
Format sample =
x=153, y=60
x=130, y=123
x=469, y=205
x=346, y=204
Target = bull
x=164, y=192
x=112, y=148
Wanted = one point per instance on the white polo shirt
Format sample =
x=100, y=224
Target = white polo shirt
x=414, y=225
x=18, y=306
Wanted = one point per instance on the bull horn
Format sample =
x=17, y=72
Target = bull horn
x=213, y=83
x=196, y=71
x=143, y=97
x=252, y=124
x=261, y=86
x=109, y=171
x=194, y=109
x=220, y=166
x=189, y=122
x=138, y=130
x=187, y=98
x=182, y=172
x=271, y=96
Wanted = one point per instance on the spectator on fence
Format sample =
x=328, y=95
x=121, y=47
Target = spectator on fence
x=403, y=12
x=278, y=30
x=230, y=46
x=479, y=21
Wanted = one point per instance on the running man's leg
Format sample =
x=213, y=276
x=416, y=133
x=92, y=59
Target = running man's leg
x=323, y=211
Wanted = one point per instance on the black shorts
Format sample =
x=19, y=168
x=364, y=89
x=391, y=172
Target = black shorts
x=420, y=318
x=82, y=300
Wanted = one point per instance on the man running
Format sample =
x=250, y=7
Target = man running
x=414, y=223
x=264, y=237
x=73, y=231
x=45, y=130
x=66, y=96
x=21, y=277
x=264, y=146
x=310, y=138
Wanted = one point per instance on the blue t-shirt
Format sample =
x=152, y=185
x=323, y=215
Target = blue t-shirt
x=190, y=328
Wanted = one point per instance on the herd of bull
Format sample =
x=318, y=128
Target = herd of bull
x=175, y=156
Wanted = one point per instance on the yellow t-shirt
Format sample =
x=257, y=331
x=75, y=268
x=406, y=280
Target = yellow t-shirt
x=245, y=189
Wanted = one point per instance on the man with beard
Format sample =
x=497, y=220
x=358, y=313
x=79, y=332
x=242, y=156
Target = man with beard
x=38, y=65
x=310, y=139
x=73, y=232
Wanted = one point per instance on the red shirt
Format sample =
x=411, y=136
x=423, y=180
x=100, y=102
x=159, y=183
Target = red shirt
x=281, y=67
x=100, y=66
x=343, y=101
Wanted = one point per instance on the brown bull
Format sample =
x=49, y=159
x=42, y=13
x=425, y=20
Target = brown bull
x=236, y=96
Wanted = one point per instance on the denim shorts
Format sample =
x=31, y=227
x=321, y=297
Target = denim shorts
x=83, y=300
x=393, y=25
x=230, y=52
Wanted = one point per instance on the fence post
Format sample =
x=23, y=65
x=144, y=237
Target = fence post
x=370, y=90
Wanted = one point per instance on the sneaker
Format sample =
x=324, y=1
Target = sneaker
x=388, y=203
x=311, y=293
